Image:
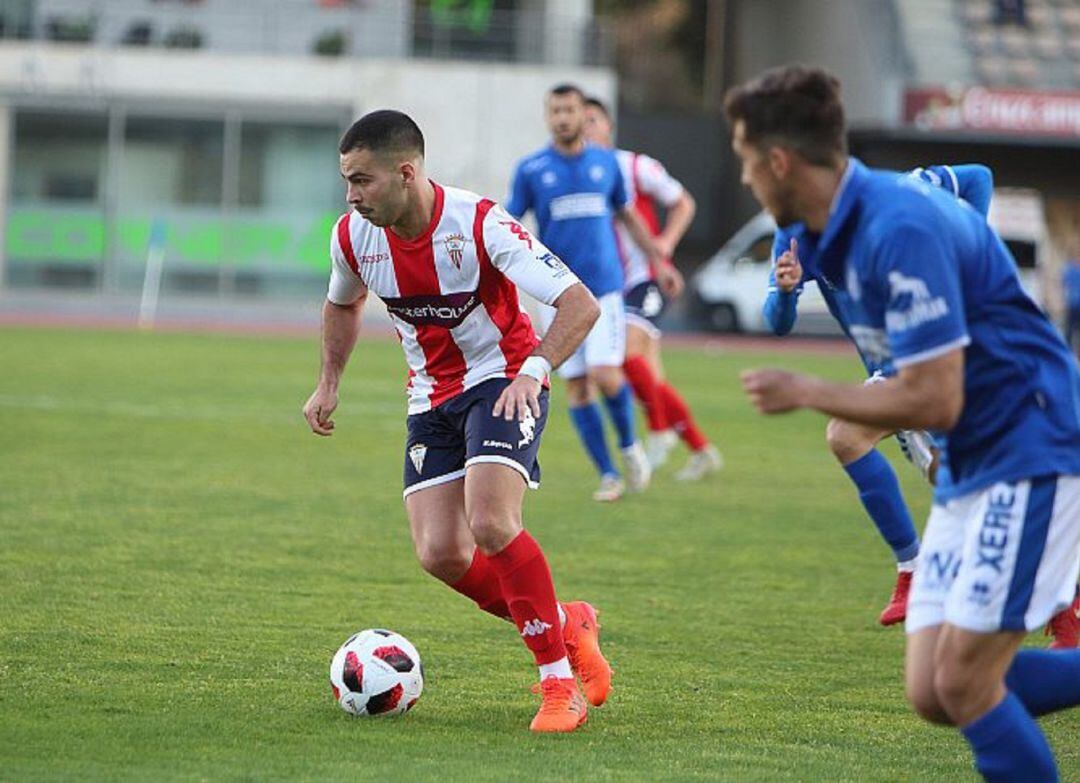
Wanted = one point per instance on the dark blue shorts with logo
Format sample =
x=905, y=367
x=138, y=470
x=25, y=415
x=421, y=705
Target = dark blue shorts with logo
x=645, y=302
x=444, y=441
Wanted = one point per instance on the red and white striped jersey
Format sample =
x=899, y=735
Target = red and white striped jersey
x=647, y=182
x=450, y=292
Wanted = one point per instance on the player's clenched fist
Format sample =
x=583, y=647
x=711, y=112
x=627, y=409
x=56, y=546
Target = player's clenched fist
x=318, y=409
x=788, y=271
x=774, y=391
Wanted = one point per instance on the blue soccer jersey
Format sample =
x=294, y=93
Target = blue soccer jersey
x=974, y=183
x=914, y=274
x=575, y=198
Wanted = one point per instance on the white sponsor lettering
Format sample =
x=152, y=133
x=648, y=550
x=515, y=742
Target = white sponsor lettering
x=579, y=205
x=497, y=444
x=873, y=343
x=922, y=308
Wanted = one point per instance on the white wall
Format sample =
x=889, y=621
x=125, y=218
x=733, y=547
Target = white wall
x=478, y=118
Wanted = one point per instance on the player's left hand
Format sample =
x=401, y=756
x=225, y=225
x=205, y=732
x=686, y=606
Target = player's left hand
x=774, y=391
x=670, y=280
x=520, y=397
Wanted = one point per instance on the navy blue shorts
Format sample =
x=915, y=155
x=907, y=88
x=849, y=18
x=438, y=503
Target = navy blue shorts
x=645, y=303
x=444, y=441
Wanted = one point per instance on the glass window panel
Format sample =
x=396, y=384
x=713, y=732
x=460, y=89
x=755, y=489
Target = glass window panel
x=59, y=157
x=289, y=167
x=172, y=161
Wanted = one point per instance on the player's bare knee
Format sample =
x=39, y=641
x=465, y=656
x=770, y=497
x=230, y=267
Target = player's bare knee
x=493, y=527
x=922, y=697
x=447, y=563
x=958, y=686
x=608, y=379
x=847, y=442
x=578, y=392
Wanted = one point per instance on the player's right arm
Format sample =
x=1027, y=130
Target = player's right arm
x=340, y=328
x=784, y=286
x=538, y=272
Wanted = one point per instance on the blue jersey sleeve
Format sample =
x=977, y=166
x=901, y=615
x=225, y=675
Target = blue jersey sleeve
x=920, y=282
x=976, y=185
x=520, y=200
x=619, y=197
x=972, y=182
x=780, y=308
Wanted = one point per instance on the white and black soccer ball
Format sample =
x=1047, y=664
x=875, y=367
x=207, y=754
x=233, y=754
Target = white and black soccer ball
x=376, y=672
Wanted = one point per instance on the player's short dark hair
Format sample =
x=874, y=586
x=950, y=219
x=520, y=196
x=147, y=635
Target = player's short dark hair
x=384, y=131
x=793, y=106
x=566, y=88
x=596, y=103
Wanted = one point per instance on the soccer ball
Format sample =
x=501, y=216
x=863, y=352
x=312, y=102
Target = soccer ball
x=376, y=672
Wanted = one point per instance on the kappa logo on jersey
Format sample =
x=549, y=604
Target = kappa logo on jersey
x=535, y=627
x=528, y=429
x=455, y=248
x=518, y=231
x=548, y=179
x=920, y=308
x=596, y=173
x=417, y=452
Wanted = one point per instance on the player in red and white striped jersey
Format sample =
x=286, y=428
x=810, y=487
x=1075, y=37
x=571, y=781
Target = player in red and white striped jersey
x=447, y=264
x=648, y=185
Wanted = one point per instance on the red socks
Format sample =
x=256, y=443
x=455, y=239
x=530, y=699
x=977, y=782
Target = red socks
x=647, y=389
x=481, y=584
x=529, y=592
x=680, y=419
x=664, y=407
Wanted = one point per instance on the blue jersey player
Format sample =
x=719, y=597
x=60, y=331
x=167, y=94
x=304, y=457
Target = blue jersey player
x=854, y=445
x=575, y=190
x=923, y=282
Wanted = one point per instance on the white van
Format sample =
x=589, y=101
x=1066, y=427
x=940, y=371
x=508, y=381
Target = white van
x=730, y=287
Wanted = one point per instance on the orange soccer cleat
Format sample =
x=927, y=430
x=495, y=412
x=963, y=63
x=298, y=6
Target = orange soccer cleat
x=562, y=708
x=896, y=610
x=582, y=637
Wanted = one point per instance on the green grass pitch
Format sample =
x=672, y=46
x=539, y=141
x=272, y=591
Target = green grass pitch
x=180, y=557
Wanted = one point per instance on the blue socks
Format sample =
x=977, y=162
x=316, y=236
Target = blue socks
x=1045, y=680
x=621, y=409
x=879, y=492
x=1009, y=747
x=590, y=428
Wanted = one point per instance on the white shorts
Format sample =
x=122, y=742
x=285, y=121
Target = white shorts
x=604, y=345
x=1003, y=558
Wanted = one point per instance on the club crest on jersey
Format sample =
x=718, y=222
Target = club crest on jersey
x=455, y=248
x=417, y=452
